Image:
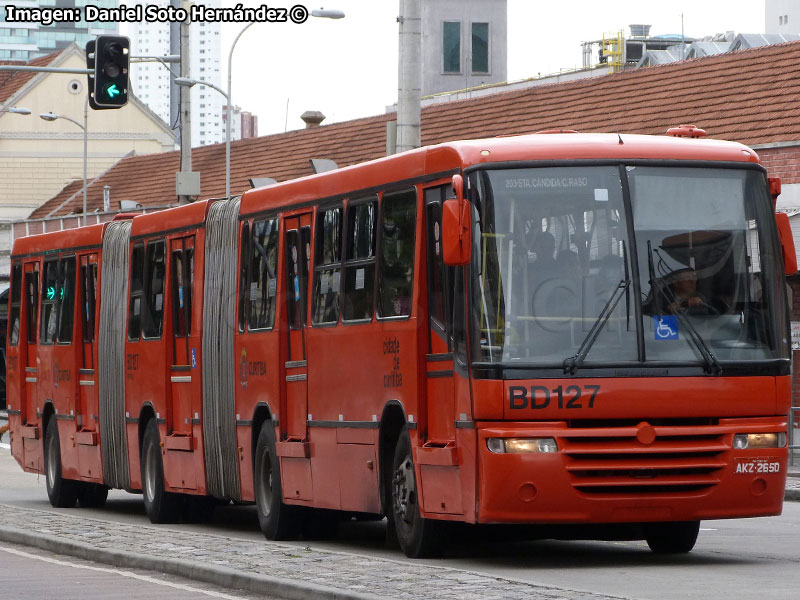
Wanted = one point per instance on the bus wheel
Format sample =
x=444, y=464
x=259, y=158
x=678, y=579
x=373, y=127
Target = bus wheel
x=92, y=495
x=161, y=506
x=671, y=538
x=278, y=521
x=418, y=537
x=62, y=492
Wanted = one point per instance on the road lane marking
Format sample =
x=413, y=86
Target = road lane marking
x=179, y=586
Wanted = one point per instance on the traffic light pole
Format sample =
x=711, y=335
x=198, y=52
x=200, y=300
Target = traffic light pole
x=186, y=110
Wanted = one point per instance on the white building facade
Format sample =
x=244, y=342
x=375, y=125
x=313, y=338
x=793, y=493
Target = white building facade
x=27, y=40
x=151, y=80
x=781, y=16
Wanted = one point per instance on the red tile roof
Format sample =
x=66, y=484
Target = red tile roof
x=749, y=96
x=12, y=81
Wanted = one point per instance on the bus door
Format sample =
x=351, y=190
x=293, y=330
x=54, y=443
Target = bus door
x=441, y=476
x=183, y=357
x=28, y=339
x=298, y=262
x=439, y=360
x=88, y=409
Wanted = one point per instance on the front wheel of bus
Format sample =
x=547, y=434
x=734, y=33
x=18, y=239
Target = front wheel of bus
x=418, y=537
x=63, y=493
x=672, y=538
x=278, y=521
x=160, y=505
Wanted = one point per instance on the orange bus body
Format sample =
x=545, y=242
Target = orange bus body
x=338, y=394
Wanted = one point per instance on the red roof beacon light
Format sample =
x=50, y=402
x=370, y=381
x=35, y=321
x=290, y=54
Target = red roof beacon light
x=689, y=131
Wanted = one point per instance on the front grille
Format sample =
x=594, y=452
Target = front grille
x=612, y=460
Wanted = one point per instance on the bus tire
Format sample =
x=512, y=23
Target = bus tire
x=92, y=495
x=418, y=537
x=161, y=506
x=278, y=521
x=63, y=493
x=672, y=538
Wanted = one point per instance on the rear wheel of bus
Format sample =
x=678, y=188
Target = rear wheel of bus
x=278, y=521
x=418, y=537
x=161, y=506
x=63, y=493
x=672, y=538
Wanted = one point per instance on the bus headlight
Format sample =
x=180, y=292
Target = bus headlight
x=521, y=445
x=742, y=441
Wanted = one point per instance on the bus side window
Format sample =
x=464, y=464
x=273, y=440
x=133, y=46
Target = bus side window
x=398, y=222
x=263, y=274
x=32, y=303
x=155, y=271
x=244, y=280
x=440, y=277
x=50, y=292
x=359, y=261
x=327, y=266
x=135, y=306
x=16, y=294
x=66, y=299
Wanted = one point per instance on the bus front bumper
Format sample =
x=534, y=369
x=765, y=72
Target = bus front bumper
x=629, y=474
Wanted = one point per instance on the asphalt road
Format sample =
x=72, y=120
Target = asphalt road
x=22, y=569
x=741, y=558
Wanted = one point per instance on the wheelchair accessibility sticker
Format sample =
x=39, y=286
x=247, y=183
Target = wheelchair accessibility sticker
x=665, y=327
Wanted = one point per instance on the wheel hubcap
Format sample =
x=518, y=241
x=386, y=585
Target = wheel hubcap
x=51, y=461
x=265, y=486
x=404, y=491
x=149, y=474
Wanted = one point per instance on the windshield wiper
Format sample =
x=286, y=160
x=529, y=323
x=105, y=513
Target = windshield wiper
x=712, y=365
x=710, y=361
x=571, y=364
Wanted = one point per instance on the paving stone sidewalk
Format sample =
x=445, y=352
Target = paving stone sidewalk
x=277, y=569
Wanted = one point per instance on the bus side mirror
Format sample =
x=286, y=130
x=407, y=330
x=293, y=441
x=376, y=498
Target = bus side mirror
x=787, y=243
x=774, y=189
x=456, y=227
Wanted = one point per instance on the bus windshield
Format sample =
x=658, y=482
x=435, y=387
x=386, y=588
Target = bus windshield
x=609, y=265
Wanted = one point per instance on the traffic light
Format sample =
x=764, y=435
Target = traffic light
x=109, y=56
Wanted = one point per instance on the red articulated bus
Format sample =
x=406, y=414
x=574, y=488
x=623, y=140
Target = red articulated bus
x=546, y=329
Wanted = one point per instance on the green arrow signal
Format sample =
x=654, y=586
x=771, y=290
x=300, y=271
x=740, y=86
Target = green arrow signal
x=51, y=293
x=112, y=90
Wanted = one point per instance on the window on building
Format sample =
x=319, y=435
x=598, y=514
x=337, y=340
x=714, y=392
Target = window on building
x=480, y=47
x=327, y=266
x=451, y=46
x=395, y=274
x=359, y=260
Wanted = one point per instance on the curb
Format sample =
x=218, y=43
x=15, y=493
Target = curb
x=221, y=576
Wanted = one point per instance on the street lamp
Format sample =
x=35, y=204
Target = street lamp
x=321, y=13
x=50, y=116
x=16, y=111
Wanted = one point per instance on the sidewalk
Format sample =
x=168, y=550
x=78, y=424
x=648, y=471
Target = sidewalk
x=282, y=570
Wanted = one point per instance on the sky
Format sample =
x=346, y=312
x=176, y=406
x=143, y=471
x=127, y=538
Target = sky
x=347, y=68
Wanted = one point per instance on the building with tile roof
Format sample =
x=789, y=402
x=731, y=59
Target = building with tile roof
x=39, y=158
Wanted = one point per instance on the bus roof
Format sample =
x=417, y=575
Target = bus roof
x=55, y=241
x=185, y=216
x=401, y=170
